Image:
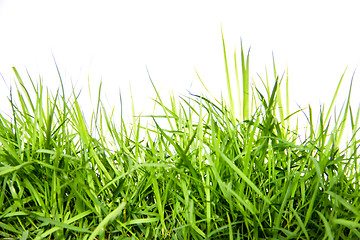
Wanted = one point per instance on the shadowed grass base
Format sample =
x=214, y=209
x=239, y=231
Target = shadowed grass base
x=205, y=174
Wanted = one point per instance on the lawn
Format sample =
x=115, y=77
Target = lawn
x=204, y=168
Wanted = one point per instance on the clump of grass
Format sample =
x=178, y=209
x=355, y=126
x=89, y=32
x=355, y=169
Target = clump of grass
x=205, y=174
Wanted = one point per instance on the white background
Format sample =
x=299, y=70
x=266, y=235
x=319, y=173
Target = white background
x=114, y=41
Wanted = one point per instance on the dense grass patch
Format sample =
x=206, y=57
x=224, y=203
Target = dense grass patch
x=204, y=169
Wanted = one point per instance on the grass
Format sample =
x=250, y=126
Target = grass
x=204, y=169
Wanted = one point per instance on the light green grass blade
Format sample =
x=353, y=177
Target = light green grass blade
x=108, y=219
x=246, y=81
x=328, y=231
x=231, y=100
x=344, y=203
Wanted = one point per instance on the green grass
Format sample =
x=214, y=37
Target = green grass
x=203, y=168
